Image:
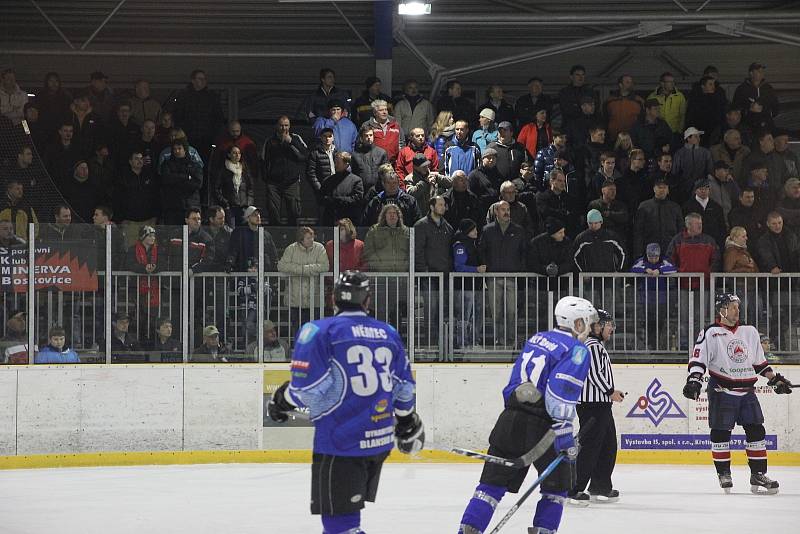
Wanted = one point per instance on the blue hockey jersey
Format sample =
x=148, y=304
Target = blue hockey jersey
x=558, y=364
x=352, y=373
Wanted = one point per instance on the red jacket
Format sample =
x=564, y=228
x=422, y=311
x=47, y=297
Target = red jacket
x=390, y=137
x=698, y=254
x=529, y=137
x=405, y=161
x=351, y=255
x=622, y=113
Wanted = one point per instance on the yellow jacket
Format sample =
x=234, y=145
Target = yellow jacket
x=673, y=108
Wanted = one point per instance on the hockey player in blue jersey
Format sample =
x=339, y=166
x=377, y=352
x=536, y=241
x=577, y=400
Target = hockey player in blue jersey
x=351, y=372
x=541, y=395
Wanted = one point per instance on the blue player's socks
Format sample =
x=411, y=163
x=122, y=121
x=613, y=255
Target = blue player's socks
x=341, y=524
x=549, y=509
x=481, y=507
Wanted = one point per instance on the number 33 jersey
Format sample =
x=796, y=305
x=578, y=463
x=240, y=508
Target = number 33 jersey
x=733, y=356
x=352, y=373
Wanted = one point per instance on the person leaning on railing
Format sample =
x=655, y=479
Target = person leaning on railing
x=386, y=246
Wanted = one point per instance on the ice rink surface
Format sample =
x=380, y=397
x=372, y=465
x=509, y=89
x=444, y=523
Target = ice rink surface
x=413, y=498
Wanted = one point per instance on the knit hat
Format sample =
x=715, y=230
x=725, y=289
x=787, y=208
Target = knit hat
x=466, y=226
x=146, y=231
x=489, y=152
x=594, y=216
x=420, y=160
x=653, y=249
x=487, y=113
x=553, y=225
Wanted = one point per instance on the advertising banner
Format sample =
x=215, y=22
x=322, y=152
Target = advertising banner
x=64, y=266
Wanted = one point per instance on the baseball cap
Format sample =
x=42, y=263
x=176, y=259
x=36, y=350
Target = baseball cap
x=755, y=66
x=487, y=113
x=702, y=182
x=269, y=325
x=594, y=216
x=335, y=103
x=210, y=330
x=420, y=160
x=120, y=316
x=489, y=152
x=653, y=249
x=249, y=210
x=691, y=130
x=505, y=125
x=651, y=103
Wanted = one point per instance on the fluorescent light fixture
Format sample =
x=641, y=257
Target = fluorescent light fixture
x=414, y=8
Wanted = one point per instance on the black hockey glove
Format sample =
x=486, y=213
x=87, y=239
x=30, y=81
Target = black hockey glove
x=781, y=385
x=278, y=406
x=694, y=384
x=409, y=433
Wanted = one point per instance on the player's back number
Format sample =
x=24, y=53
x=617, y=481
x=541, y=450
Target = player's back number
x=368, y=378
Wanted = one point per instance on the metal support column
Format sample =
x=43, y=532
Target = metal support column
x=412, y=308
x=107, y=307
x=185, y=294
x=384, y=41
x=260, y=288
x=31, y=291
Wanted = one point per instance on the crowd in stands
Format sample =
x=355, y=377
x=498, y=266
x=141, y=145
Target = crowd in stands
x=648, y=181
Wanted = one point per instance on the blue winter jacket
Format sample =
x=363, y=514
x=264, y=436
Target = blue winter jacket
x=345, y=132
x=545, y=161
x=465, y=156
x=50, y=354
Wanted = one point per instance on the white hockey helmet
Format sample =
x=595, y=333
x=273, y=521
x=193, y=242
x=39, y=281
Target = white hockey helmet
x=570, y=309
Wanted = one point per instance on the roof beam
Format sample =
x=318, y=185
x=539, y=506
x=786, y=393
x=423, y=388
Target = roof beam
x=615, y=19
x=53, y=24
x=102, y=25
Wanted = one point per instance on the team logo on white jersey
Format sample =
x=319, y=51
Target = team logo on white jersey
x=656, y=404
x=737, y=351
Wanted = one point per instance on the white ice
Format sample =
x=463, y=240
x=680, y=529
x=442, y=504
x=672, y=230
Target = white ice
x=413, y=498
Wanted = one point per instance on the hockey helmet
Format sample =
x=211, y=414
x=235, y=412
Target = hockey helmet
x=723, y=299
x=351, y=289
x=570, y=309
x=604, y=317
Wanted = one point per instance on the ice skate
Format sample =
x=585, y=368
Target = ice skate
x=725, y=481
x=604, y=497
x=578, y=499
x=761, y=484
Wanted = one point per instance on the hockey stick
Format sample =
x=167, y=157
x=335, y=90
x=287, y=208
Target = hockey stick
x=546, y=473
x=517, y=463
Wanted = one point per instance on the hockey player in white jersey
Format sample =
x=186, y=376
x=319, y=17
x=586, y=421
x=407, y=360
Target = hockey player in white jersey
x=734, y=359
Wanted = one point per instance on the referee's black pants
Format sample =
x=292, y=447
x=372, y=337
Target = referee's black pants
x=598, y=453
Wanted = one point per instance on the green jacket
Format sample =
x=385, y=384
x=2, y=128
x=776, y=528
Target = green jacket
x=673, y=108
x=386, y=249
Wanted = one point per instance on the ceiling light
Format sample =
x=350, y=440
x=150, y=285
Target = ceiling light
x=414, y=8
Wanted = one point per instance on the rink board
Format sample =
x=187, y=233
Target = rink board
x=164, y=414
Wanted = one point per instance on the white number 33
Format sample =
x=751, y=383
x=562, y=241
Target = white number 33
x=366, y=382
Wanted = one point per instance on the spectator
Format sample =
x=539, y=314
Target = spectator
x=572, y=97
x=706, y=109
x=555, y=202
x=388, y=134
x=40, y=133
x=243, y=249
x=732, y=152
x=21, y=168
x=546, y=157
x=16, y=209
x=176, y=134
x=413, y=110
x=220, y=234
x=663, y=171
x=197, y=110
x=622, y=146
x=724, y=190
x=341, y=193
x=124, y=345
x=199, y=244
x=143, y=258
x=495, y=101
x=386, y=244
x=316, y=104
x=749, y=215
x=136, y=195
x=653, y=295
x=733, y=121
x=275, y=350
x=460, y=106
x=536, y=135
x=790, y=158
x=672, y=102
x=305, y=259
x=466, y=259
x=433, y=235
x=15, y=343
x=709, y=210
x=510, y=154
x=634, y=186
x=652, y=133
x=485, y=181
x=234, y=136
x=487, y=132
x=53, y=102
x=168, y=348
x=423, y=183
x=692, y=251
x=737, y=259
x=657, y=219
x=460, y=153
x=757, y=98
x=61, y=156
x=351, y=249
x=778, y=252
x=623, y=107
x=101, y=218
x=607, y=171
x=577, y=129
x=143, y=106
x=712, y=72
x=164, y=127
x=181, y=180
x=598, y=249
x=87, y=125
x=416, y=146
x=121, y=130
x=362, y=107
x=7, y=236
x=100, y=95
x=57, y=350
x=12, y=98
x=234, y=187
x=527, y=105
x=461, y=202
x=390, y=194
x=284, y=156
x=103, y=171
x=587, y=159
x=503, y=248
x=789, y=205
x=320, y=162
x=765, y=154
x=212, y=350
x=344, y=131
x=147, y=144
x=519, y=212
x=550, y=253
x=761, y=182
x=442, y=131
x=614, y=212
x=61, y=229
x=691, y=162
x=367, y=158
x=527, y=188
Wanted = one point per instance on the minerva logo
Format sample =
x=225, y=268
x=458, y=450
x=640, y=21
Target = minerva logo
x=656, y=405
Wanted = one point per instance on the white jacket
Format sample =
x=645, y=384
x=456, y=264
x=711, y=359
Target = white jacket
x=12, y=104
x=307, y=263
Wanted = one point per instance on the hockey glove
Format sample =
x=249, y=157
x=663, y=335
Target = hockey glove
x=781, y=385
x=565, y=441
x=694, y=384
x=278, y=406
x=409, y=433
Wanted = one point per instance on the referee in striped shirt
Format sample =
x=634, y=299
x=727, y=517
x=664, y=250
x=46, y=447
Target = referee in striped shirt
x=598, y=453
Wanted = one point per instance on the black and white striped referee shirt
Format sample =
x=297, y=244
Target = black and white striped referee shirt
x=599, y=383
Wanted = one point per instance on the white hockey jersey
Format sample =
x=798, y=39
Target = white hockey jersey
x=733, y=356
